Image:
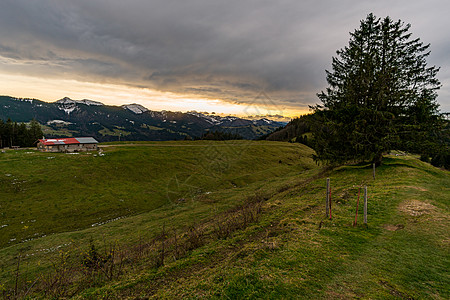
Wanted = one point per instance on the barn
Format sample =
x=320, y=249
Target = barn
x=68, y=144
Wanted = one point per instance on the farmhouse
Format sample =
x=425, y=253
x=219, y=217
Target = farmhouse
x=67, y=144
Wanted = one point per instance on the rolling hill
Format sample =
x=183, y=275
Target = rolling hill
x=210, y=220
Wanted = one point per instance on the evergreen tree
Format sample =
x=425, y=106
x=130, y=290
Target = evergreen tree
x=22, y=136
x=381, y=95
x=2, y=133
x=9, y=133
x=14, y=134
x=220, y=136
x=35, y=132
x=295, y=129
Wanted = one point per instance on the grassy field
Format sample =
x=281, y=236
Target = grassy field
x=45, y=193
x=206, y=190
x=54, y=199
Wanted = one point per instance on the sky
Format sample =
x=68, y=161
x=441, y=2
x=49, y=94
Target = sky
x=246, y=57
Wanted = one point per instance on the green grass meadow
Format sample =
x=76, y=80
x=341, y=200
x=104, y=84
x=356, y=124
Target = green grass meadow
x=45, y=193
x=54, y=203
x=294, y=252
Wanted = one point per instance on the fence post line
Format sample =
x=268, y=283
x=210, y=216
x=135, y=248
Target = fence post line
x=365, y=204
x=327, y=204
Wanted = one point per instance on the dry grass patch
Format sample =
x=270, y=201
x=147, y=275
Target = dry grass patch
x=391, y=227
x=437, y=219
x=417, y=208
x=414, y=188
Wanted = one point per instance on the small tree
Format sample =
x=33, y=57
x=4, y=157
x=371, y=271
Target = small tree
x=381, y=95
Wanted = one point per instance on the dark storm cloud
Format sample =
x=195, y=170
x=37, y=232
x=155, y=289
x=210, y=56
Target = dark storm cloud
x=220, y=49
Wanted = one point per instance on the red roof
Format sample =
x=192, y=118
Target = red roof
x=68, y=141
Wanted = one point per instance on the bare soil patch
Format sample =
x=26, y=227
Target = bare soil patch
x=416, y=208
x=391, y=227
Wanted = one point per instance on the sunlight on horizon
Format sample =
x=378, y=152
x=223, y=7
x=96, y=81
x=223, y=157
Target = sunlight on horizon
x=50, y=90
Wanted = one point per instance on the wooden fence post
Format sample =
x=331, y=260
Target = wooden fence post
x=327, y=204
x=365, y=205
x=373, y=171
x=357, y=207
x=329, y=200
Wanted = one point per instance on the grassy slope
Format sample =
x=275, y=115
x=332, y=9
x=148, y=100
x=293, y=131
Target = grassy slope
x=402, y=253
x=61, y=196
x=43, y=193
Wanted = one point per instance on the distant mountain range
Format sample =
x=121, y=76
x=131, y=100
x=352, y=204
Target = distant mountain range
x=67, y=117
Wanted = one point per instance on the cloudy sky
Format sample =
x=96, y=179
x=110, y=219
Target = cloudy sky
x=241, y=57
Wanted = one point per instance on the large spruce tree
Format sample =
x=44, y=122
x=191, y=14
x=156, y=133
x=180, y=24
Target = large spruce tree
x=381, y=95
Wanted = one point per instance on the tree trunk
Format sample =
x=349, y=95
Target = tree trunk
x=378, y=159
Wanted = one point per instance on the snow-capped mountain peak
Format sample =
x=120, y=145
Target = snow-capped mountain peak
x=136, y=108
x=90, y=102
x=68, y=101
x=65, y=100
x=263, y=121
x=211, y=119
x=67, y=105
x=221, y=120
